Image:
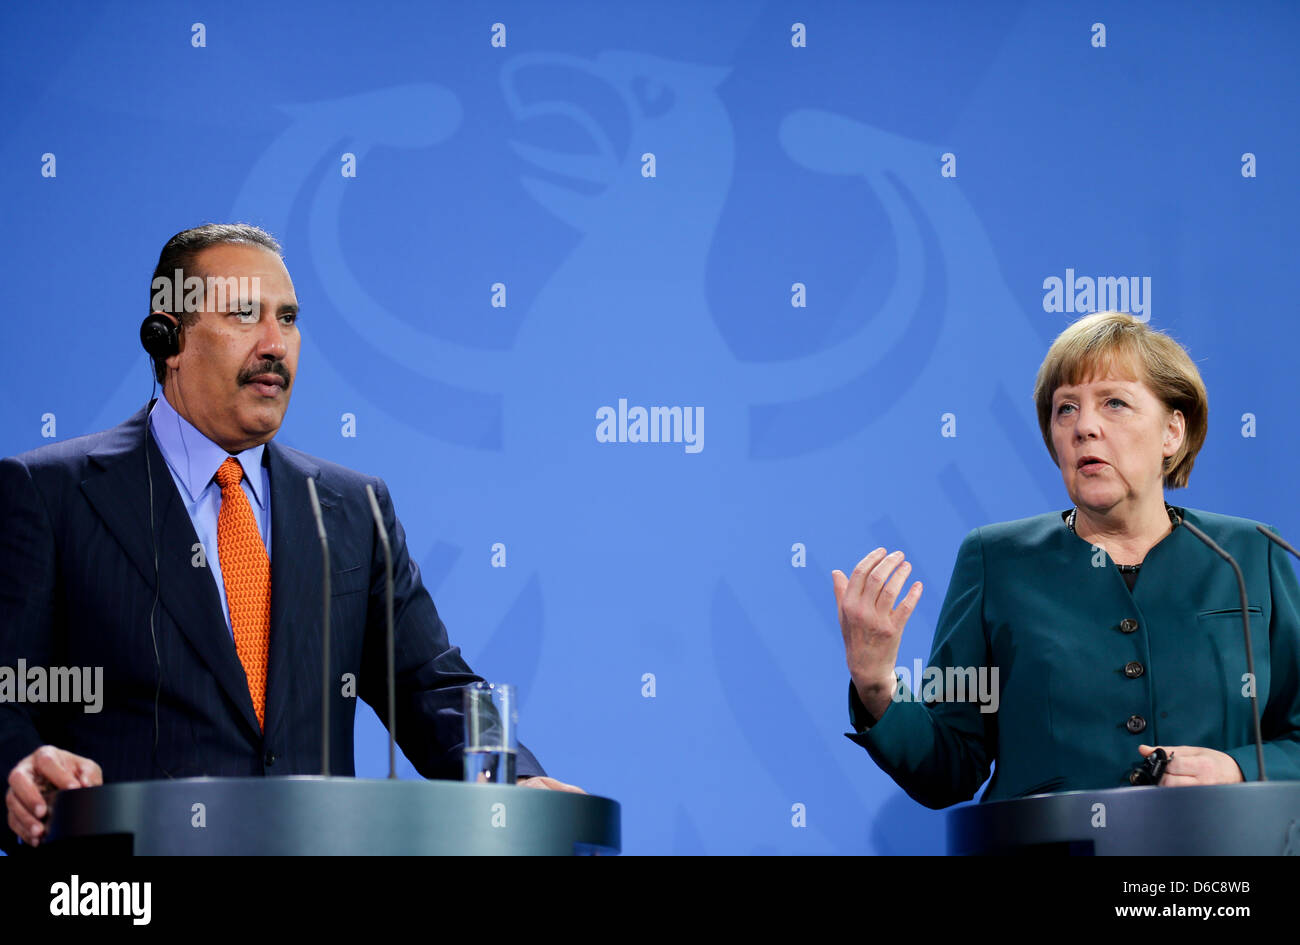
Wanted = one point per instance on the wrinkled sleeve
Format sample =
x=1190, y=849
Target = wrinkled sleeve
x=939, y=753
x=27, y=609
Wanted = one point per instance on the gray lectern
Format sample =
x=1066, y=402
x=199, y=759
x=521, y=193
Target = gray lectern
x=316, y=815
x=1225, y=819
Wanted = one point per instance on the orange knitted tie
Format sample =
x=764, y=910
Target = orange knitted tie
x=246, y=572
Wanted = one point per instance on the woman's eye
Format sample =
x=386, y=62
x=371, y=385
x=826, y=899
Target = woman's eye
x=1061, y=409
x=1116, y=400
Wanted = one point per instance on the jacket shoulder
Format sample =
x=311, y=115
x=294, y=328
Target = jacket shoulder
x=335, y=475
x=1238, y=536
x=1216, y=523
x=1022, y=534
x=68, y=459
x=63, y=453
x=1027, y=535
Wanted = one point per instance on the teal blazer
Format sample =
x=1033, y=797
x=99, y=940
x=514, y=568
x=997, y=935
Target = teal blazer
x=1087, y=670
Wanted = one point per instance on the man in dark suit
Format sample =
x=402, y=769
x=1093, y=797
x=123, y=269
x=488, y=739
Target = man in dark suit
x=207, y=630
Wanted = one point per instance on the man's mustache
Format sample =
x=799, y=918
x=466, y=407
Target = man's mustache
x=267, y=367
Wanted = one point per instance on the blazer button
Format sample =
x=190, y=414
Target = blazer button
x=269, y=758
x=1133, y=669
x=1128, y=625
x=1136, y=724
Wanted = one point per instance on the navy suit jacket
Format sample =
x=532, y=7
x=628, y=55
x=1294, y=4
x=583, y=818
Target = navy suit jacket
x=77, y=589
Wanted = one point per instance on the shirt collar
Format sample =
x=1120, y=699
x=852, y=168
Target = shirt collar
x=194, y=458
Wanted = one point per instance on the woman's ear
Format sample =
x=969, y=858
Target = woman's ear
x=1175, y=430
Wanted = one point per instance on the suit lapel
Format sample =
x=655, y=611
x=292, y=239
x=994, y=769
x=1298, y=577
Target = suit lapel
x=296, y=584
x=119, y=491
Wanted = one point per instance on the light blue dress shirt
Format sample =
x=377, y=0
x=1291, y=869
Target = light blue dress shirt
x=193, y=460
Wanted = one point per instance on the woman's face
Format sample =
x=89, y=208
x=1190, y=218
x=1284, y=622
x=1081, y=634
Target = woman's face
x=1111, y=437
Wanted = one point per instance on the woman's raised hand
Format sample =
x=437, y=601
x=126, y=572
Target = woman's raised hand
x=872, y=626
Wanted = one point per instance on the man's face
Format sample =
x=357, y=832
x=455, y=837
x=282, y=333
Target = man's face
x=238, y=361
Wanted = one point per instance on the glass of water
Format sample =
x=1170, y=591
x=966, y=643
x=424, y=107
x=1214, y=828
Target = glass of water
x=491, y=737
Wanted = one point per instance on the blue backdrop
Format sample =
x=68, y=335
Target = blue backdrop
x=826, y=229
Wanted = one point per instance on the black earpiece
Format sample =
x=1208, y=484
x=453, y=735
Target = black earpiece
x=160, y=335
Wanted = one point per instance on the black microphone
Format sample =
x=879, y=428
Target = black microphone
x=325, y=683
x=1286, y=545
x=388, y=589
x=1278, y=540
x=1245, y=626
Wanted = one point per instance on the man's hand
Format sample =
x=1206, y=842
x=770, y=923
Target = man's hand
x=36, y=779
x=549, y=784
x=1191, y=765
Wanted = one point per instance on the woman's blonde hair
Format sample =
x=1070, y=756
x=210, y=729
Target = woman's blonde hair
x=1118, y=343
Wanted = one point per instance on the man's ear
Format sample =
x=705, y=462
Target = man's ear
x=173, y=361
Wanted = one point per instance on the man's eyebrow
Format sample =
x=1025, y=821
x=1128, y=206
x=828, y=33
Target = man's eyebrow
x=286, y=308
